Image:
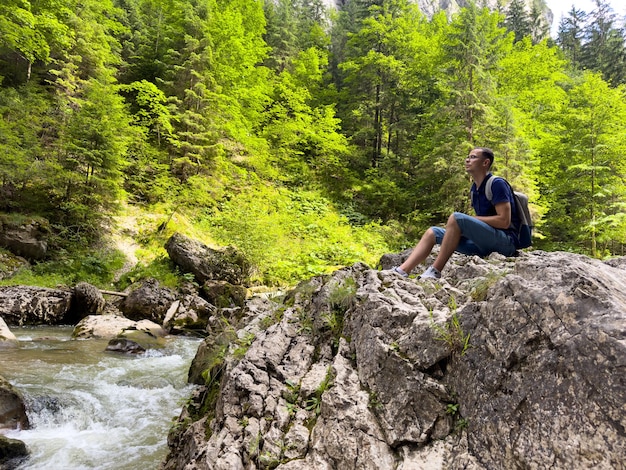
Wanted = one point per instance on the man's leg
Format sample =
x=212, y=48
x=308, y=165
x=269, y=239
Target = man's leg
x=479, y=238
x=420, y=252
x=449, y=244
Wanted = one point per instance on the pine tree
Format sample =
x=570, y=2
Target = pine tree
x=583, y=171
x=518, y=20
x=571, y=33
x=604, y=49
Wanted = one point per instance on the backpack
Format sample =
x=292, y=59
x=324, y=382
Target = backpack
x=525, y=230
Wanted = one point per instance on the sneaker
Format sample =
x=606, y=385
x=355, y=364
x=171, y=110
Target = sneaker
x=431, y=273
x=396, y=270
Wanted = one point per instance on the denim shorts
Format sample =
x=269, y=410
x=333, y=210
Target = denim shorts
x=478, y=238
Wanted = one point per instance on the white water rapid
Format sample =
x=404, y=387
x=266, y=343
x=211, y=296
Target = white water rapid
x=90, y=409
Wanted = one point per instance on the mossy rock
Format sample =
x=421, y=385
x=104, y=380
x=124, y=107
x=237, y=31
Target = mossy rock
x=223, y=294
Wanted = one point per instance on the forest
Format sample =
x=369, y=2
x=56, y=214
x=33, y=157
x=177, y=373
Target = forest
x=309, y=138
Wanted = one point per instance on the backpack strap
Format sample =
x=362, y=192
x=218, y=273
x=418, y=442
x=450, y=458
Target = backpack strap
x=488, y=191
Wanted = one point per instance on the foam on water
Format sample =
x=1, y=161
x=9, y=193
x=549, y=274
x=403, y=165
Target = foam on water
x=95, y=410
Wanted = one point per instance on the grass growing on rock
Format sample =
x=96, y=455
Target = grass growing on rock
x=451, y=332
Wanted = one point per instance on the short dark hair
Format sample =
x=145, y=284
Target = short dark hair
x=486, y=152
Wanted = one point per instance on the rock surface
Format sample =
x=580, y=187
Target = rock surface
x=146, y=333
x=12, y=409
x=25, y=305
x=7, y=338
x=205, y=263
x=86, y=300
x=504, y=363
x=25, y=239
x=125, y=346
x=10, y=264
x=12, y=452
x=148, y=301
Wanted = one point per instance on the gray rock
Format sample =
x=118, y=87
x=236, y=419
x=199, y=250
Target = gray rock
x=617, y=262
x=148, y=334
x=503, y=363
x=24, y=239
x=86, y=300
x=10, y=264
x=26, y=305
x=7, y=338
x=12, y=452
x=205, y=263
x=149, y=301
x=545, y=375
x=125, y=346
x=189, y=313
x=223, y=294
x=12, y=409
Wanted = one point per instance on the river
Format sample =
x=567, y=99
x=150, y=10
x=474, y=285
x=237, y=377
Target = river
x=91, y=409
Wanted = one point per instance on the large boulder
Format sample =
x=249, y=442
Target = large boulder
x=7, y=338
x=189, y=313
x=149, y=301
x=12, y=409
x=205, y=263
x=177, y=312
x=12, y=452
x=26, y=305
x=86, y=300
x=547, y=366
x=145, y=332
x=26, y=239
x=503, y=363
x=223, y=294
x=10, y=264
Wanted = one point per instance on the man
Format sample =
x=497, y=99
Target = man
x=493, y=228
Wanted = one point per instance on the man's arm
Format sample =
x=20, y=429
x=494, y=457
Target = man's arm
x=502, y=219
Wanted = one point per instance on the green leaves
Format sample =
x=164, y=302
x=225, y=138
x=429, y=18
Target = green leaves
x=588, y=186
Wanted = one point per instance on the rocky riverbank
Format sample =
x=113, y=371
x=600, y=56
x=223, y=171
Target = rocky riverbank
x=133, y=321
x=505, y=363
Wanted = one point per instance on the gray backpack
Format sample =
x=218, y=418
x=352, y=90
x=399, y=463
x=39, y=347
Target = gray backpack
x=525, y=230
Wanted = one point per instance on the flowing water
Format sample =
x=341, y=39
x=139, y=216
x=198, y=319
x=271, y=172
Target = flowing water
x=91, y=409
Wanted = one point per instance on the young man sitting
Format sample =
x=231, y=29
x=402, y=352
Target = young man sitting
x=492, y=229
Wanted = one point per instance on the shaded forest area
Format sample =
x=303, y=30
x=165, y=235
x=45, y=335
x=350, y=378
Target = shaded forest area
x=308, y=138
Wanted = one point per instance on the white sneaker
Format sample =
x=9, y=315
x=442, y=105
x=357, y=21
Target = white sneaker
x=431, y=273
x=395, y=270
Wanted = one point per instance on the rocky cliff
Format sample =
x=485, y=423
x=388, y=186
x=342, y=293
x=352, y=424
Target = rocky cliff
x=505, y=363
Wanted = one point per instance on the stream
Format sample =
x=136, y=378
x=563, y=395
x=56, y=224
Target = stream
x=91, y=409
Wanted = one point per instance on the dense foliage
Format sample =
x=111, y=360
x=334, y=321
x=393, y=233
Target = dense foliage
x=310, y=139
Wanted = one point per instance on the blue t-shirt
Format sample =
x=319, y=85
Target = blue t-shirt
x=500, y=192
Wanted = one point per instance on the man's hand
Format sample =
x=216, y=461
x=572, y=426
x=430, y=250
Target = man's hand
x=502, y=219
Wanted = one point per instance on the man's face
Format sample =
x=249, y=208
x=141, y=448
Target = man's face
x=475, y=161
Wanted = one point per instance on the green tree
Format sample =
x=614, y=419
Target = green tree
x=583, y=175
x=475, y=46
x=30, y=32
x=92, y=158
x=24, y=129
x=154, y=28
x=214, y=79
x=570, y=34
x=302, y=135
x=281, y=34
x=518, y=20
x=604, y=49
x=372, y=77
x=467, y=111
x=530, y=79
